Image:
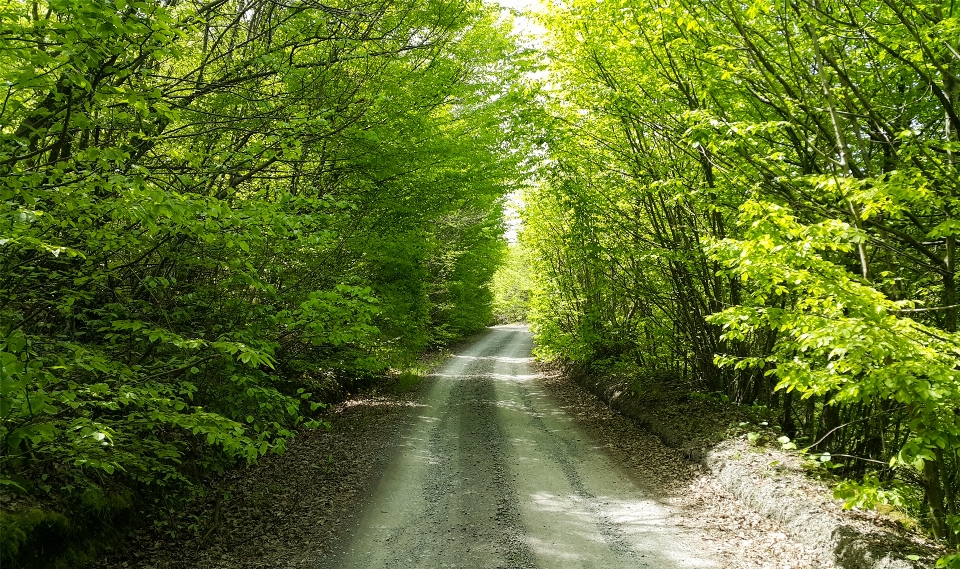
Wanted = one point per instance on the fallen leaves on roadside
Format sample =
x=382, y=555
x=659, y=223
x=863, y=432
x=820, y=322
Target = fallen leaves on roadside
x=742, y=538
x=288, y=510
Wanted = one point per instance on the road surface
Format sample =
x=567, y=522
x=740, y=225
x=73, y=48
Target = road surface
x=492, y=474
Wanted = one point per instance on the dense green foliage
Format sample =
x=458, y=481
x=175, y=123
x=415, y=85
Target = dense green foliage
x=761, y=199
x=512, y=286
x=218, y=214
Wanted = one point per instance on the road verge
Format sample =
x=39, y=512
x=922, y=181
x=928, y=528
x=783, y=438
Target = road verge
x=768, y=481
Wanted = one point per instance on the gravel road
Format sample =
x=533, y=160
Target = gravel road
x=493, y=474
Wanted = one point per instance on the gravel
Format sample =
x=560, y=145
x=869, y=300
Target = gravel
x=288, y=507
x=741, y=538
x=772, y=482
x=491, y=463
x=754, y=501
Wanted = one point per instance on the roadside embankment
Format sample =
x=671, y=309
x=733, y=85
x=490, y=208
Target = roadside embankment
x=769, y=481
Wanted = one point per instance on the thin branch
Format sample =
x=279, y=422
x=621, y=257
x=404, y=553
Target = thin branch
x=931, y=309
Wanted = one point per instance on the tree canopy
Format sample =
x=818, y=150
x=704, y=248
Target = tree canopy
x=216, y=214
x=219, y=215
x=760, y=199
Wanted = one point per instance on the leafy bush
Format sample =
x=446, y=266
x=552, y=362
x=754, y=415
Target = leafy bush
x=204, y=234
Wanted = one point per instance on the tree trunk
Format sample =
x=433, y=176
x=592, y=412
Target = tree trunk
x=950, y=286
x=930, y=479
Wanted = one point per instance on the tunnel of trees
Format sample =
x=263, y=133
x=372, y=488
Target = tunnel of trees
x=219, y=215
x=759, y=200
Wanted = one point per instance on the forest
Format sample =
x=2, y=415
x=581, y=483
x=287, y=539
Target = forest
x=759, y=201
x=220, y=216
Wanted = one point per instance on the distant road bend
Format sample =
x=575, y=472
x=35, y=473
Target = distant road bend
x=492, y=474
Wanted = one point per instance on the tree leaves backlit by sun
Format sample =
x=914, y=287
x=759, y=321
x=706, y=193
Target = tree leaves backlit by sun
x=214, y=215
x=761, y=199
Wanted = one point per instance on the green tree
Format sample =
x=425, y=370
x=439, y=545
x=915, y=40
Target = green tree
x=215, y=213
x=671, y=121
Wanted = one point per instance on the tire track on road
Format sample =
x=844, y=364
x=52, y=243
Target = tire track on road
x=494, y=475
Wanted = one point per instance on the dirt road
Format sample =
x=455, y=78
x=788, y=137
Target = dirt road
x=493, y=474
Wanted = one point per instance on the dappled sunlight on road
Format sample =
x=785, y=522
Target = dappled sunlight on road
x=495, y=359
x=495, y=468
x=498, y=376
x=553, y=550
x=637, y=529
